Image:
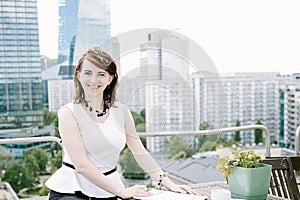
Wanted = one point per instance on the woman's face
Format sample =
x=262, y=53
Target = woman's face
x=93, y=79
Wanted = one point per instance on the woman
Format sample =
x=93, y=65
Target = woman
x=94, y=129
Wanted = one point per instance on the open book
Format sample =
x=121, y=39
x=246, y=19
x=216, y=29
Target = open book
x=168, y=195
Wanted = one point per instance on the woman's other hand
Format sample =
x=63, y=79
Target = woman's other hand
x=135, y=191
x=184, y=189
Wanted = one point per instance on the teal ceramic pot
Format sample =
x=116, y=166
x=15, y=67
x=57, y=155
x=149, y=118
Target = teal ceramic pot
x=250, y=183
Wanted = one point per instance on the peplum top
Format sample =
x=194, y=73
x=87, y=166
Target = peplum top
x=103, y=142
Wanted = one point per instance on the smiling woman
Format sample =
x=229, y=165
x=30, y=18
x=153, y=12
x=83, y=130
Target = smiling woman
x=93, y=140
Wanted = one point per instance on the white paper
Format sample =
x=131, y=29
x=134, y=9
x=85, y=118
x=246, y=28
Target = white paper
x=168, y=195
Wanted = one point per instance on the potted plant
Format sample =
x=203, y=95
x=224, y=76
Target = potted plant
x=246, y=176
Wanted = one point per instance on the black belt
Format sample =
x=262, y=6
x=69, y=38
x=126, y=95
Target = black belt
x=83, y=196
x=105, y=173
x=78, y=194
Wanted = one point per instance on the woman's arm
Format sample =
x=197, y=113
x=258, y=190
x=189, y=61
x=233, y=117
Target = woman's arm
x=145, y=160
x=70, y=135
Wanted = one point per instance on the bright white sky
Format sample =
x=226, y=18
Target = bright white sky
x=238, y=35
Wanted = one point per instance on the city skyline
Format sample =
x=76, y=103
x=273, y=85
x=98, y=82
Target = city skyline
x=238, y=36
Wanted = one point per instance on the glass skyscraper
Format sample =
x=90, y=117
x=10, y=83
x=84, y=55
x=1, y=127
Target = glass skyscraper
x=20, y=66
x=68, y=12
x=93, y=26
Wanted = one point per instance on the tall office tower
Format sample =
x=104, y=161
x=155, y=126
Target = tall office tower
x=290, y=113
x=162, y=87
x=248, y=97
x=164, y=52
x=170, y=106
x=93, y=26
x=68, y=12
x=20, y=65
x=163, y=57
x=210, y=101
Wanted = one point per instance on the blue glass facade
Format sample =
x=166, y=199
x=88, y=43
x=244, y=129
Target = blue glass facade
x=68, y=12
x=20, y=66
x=93, y=25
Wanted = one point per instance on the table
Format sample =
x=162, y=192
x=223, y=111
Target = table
x=205, y=189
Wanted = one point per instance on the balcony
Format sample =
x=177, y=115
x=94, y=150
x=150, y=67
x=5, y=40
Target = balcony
x=191, y=164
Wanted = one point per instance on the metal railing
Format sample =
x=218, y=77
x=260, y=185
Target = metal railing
x=7, y=186
x=31, y=140
x=215, y=132
x=297, y=141
x=155, y=134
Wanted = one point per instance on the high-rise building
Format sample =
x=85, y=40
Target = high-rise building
x=93, y=26
x=58, y=86
x=68, y=12
x=290, y=111
x=161, y=86
x=60, y=92
x=164, y=52
x=20, y=65
x=246, y=97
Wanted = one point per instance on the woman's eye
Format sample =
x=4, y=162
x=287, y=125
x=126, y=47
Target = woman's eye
x=101, y=75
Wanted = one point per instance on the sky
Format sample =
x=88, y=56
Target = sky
x=238, y=35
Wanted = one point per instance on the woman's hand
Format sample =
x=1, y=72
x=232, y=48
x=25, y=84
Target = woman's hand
x=134, y=191
x=185, y=189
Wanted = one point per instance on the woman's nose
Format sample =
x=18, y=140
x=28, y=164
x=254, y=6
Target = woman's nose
x=94, y=79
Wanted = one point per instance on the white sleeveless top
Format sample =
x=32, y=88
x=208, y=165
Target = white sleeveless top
x=103, y=142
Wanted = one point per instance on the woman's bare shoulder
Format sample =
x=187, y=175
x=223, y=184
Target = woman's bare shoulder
x=65, y=109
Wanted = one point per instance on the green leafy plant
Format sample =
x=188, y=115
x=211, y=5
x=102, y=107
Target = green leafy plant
x=238, y=158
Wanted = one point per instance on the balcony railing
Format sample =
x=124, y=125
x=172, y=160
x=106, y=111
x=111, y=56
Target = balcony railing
x=7, y=186
x=23, y=140
x=154, y=134
x=162, y=134
x=215, y=132
x=173, y=133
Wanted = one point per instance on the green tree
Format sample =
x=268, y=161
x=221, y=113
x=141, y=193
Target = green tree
x=6, y=158
x=205, y=126
x=130, y=168
x=44, y=191
x=32, y=168
x=237, y=136
x=17, y=176
x=56, y=161
x=143, y=114
x=140, y=123
x=175, y=144
x=41, y=157
x=203, y=139
x=49, y=117
x=141, y=127
x=137, y=118
x=258, y=133
x=56, y=127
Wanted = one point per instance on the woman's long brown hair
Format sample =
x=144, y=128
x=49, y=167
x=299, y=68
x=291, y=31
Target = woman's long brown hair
x=104, y=61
